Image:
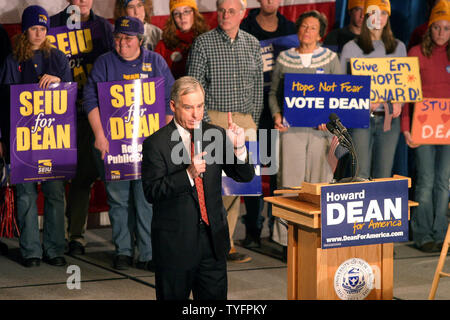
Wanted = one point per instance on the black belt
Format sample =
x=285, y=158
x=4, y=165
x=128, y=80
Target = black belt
x=377, y=114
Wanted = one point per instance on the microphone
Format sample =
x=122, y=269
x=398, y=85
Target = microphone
x=339, y=126
x=197, y=137
x=333, y=127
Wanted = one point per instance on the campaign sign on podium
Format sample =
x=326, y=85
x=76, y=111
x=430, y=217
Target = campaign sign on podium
x=364, y=213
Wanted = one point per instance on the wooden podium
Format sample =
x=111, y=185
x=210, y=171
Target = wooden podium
x=311, y=269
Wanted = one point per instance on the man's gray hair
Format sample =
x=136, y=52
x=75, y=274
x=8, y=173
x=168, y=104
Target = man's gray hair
x=183, y=86
x=243, y=3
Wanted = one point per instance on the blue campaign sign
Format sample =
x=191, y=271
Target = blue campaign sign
x=270, y=49
x=309, y=99
x=364, y=213
x=254, y=187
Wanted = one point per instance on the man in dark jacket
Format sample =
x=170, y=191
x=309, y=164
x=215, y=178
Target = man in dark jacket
x=189, y=229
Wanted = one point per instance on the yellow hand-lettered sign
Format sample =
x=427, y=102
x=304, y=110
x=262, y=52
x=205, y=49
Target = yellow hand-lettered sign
x=431, y=122
x=392, y=79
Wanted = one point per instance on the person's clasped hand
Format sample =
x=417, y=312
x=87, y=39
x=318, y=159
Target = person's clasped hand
x=47, y=80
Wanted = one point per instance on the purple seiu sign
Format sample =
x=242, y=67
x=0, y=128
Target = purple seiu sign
x=81, y=46
x=130, y=110
x=364, y=213
x=43, y=132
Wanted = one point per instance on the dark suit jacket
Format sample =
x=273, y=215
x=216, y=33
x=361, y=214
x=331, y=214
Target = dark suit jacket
x=176, y=212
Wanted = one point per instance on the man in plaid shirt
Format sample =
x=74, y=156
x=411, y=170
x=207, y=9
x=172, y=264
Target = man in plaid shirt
x=227, y=62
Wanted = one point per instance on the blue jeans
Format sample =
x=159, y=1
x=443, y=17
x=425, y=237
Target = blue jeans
x=129, y=213
x=375, y=148
x=131, y=218
x=429, y=219
x=27, y=217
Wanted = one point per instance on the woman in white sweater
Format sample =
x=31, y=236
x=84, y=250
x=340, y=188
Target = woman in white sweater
x=303, y=150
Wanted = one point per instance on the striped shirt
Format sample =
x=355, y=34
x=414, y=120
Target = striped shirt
x=231, y=72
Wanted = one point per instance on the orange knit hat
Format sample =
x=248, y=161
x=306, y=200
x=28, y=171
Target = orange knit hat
x=382, y=4
x=180, y=3
x=355, y=3
x=441, y=11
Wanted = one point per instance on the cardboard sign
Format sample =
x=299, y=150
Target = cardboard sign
x=364, y=213
x=309, y=99
x=81, y=46
x=431, y=122
x=392, y=79
x=252, y=188
x=270, y=49
x=130, y=110
x=43, y=132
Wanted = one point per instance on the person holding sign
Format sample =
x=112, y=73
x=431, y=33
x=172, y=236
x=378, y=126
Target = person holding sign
x=227, y=61
x=189, y=228
x=184, y=24
x=143, y=10
x=303, y=150
x=128, y=61
x=35, y=60
x=429, y=219
x=77, y=208
x=375, y=146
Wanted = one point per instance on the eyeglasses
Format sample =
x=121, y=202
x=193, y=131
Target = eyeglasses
x=127, y=38
x=185, y=13
x=231, y=12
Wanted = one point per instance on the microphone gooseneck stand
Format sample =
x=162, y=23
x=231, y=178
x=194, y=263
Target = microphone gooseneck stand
x=336, y=128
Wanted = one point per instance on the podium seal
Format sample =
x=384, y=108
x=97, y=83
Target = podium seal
x=353, y=279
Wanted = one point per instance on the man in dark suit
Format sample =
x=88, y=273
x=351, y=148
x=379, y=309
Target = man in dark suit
x=190, y=244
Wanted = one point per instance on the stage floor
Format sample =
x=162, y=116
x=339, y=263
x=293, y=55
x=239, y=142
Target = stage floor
x=263, y=278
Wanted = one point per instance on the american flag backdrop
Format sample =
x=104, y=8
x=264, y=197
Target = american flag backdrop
x=11, y=11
